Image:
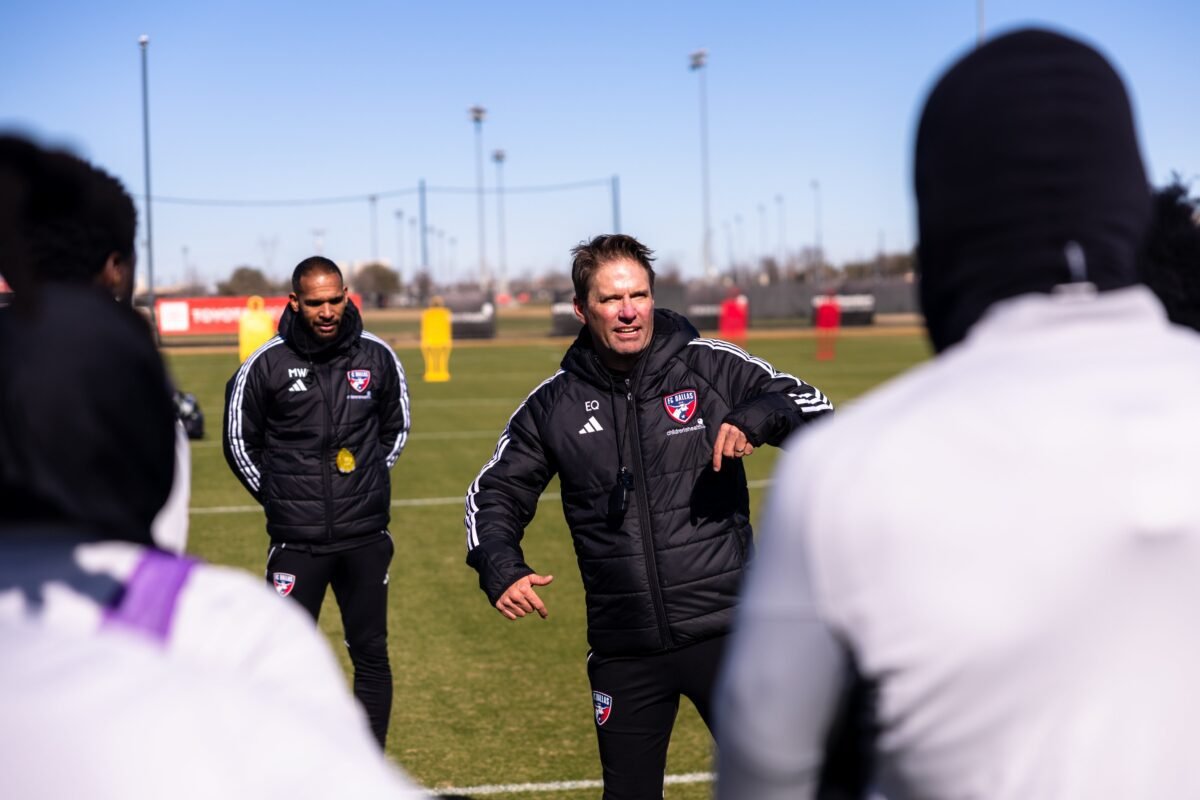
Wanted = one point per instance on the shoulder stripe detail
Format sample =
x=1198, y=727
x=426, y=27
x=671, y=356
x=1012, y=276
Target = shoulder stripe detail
x=402, y=437
x=733, y=349
x=808, y=397
x=237, y=445
x=471, y=507
x=811, y=403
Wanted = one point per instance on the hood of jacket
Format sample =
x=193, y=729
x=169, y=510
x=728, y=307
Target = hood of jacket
x=301, y=339
x=672, y=332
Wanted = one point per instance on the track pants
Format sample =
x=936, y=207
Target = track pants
x=359, y=578
x=635, y=699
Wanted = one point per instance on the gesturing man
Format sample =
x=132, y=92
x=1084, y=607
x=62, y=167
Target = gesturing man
x=314, y=420
x=645, y=424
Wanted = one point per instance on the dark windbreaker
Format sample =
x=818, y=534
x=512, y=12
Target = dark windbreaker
x=666, y=572
x=293, y=405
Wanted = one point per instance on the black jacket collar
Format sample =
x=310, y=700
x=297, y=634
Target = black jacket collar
x=301, y=339
x=672, y=332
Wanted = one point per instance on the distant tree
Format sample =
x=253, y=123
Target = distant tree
x=885, y=265
x=247, y=280
x=668, y=274
x=376, y=283
x=187, y=289
x=423, y=282
x=771, y=269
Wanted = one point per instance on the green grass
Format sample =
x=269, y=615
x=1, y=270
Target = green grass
x=479, y=699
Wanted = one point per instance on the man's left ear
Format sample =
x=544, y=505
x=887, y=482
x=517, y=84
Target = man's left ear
x=116, y=276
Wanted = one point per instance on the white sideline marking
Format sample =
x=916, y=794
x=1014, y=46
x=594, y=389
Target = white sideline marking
x=557, y=786
x=412, y=501
x=490, y=434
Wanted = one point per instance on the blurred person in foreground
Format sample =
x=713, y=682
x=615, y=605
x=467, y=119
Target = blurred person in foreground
x=646, y=425
x=93, y=245
x=1000, y=548
x=315, y=419
x=156, y=656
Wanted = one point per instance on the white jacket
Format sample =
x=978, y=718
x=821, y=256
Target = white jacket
x=1004, y=543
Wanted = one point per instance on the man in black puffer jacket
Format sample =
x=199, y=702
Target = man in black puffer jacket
x=646, y=424
x=314, y=420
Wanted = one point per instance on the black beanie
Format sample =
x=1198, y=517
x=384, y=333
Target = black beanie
x=1027, y=176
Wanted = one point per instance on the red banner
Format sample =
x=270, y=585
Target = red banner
x=191, y=316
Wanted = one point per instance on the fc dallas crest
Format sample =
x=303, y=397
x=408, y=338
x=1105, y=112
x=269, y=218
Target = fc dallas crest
x=681, y=405
x=603, y=705
x=359, y=379
x=284, y=582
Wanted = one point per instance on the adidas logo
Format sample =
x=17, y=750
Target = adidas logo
x=592, y=426
x=298, y=386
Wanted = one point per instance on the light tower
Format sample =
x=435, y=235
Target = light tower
x=477, y=114
x=699, y=60
x=498, y=156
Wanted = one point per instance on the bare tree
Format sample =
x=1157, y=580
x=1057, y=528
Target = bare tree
x=247, y=280
x=376, y=283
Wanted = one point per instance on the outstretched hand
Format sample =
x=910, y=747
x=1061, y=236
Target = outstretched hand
x=731, y=443
x=521, y=599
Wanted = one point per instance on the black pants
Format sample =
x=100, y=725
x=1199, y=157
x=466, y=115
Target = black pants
x=359, y=578
x=636, y=700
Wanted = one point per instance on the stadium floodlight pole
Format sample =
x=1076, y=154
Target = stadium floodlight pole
x=440, y=233
x=423, y=227
x=319, y=240
x=979, y=21
x=728, y=243
x=400, y=243
x=477, y=115
x=412, y=238
x=741, y=239
x=144, y=44
x=762, y=232
x=373, y=201
x=430, y=231
x=699, y=60
x=498, y=156
x=816, y=187
x=616, y=203
x=782, y=231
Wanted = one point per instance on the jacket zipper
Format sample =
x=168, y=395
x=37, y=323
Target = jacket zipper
x=325, y=440
x=660, y=610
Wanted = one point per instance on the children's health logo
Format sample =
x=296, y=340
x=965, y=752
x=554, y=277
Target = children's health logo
x=681, y=406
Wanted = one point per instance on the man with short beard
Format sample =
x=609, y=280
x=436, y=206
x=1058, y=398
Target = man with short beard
x=314, y=421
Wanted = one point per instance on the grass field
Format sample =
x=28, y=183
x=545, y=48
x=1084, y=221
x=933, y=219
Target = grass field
x=480, y=700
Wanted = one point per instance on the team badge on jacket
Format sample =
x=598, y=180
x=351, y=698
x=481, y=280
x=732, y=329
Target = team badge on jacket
x=681, y=405
x=359, y=379
x=603, y=705
x=284, y=583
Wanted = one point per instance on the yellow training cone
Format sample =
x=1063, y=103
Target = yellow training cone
x=255, y=327
x=436, y=341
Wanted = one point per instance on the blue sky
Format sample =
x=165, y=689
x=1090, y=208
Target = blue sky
x=295, y=100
